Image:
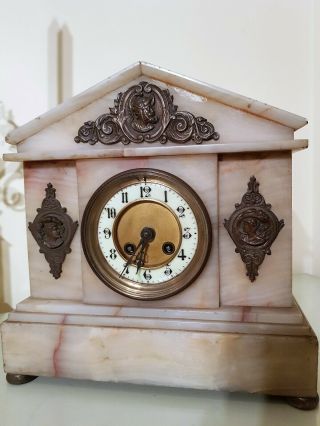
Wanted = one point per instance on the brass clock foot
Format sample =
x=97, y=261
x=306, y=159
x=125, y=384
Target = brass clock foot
x=19, y=379
x=303, y=403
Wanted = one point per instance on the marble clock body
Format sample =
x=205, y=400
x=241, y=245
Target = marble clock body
x=231, y=322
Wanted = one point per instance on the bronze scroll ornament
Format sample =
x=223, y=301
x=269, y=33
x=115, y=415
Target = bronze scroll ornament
x=253, y=227
x=53, y=229
x=146, y=113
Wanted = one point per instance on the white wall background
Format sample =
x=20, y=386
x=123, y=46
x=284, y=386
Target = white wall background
x=265, y=49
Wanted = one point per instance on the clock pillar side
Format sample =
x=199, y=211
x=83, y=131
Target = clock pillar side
x=62, y=175
x=198, y=171
x=273, y=286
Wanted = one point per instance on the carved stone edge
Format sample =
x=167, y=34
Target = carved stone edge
x=52, y=207
x=253, y=257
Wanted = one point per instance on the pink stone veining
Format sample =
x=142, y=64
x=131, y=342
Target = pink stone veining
x=57, y=348
x=245, y=313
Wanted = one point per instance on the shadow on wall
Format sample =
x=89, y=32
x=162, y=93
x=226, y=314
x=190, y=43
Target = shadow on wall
x=11, y=200
x=4, y=276
x=301, y=261
x=11, y=212
x=60, y=64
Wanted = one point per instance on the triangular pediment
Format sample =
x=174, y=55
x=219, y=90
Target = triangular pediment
x=182, y=111
x=144, y=71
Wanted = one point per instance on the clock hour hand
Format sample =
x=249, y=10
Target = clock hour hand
x=147, y=235
x=141, y=255
x=131, y=258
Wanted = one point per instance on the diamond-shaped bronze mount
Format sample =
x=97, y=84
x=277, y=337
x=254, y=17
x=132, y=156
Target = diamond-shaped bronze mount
x=53, y=229
x=253, y=227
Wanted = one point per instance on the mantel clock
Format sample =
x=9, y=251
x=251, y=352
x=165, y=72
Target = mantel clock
x=159, y=220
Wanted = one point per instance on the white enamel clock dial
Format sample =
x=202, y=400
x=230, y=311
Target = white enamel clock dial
x=146, y=234
x=167, y=258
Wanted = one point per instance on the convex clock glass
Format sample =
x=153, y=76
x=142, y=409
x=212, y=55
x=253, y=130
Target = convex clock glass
x=146, y=234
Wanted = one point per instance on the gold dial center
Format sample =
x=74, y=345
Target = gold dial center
x=148, y=214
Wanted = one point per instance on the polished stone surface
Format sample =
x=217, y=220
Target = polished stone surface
x=51, y=402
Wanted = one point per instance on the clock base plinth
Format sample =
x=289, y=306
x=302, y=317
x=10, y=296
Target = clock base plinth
x=143, y=346
x=19, y=379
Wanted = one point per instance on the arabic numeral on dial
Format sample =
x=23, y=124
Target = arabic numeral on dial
x=181, y=211
x=168, y=271
x=187, y=234
x=107, y=233
x=126, y=269
x=113, y=254
x=124, y=197
x=147, y=275
x=111, y=212
x=181, y=255
x=145, y=191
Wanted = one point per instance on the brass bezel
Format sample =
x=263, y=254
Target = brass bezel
x=108, y=275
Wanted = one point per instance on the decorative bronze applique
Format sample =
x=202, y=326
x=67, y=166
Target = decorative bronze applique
x=53, y=229
x=253, y=228
x=146, y=113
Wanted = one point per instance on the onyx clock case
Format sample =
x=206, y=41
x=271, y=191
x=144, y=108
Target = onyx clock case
x=181, y=264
